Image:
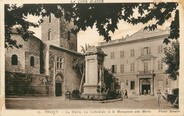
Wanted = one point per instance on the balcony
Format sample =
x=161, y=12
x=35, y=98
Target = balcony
x=146, y=72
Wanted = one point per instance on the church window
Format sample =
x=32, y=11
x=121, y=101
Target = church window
x=49, y=34
x=32, y=61
x=59, y=63
x=14, y=60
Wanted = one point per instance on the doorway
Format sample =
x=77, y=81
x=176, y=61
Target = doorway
x=58, y=89
x=59, y=85
x=145, y=88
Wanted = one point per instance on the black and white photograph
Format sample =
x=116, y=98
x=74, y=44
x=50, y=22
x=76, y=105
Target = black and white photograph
x=92, y=57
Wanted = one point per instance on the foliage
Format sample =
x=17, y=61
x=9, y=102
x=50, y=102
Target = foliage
x=108, y=79
x=113, y=95
x=75, y=94
x=104, y=16
x=172, y=60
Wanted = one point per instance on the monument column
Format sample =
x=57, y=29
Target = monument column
x=93, y=58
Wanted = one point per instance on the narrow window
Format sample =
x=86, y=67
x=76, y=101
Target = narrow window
x=14, y=60
x=114, y=69
x=122, y=68
x=112, y=55
x=50, y=18
x=160, y=49
x=57, y=63
x=69, y=35
x=132, y=85
x=160, y=65
x=132, y=67
x=145, y=66
x=32, y=61
x=132, y=52
x=121, y=54
x=49, y=34
x=145, y=50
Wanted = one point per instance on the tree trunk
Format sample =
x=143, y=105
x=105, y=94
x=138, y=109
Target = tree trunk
x=80, y=87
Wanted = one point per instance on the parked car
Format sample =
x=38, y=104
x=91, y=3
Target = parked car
x=174, y=97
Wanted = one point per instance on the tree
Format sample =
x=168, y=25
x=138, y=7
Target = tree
x=172, y=60
x=79, y=64
x=104, y=16
x=108, y=79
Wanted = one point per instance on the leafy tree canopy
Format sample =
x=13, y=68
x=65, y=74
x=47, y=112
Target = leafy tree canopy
x=104, y=16
x=172, y=59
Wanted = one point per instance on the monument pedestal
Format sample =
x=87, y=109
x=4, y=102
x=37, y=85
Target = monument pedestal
x=90, y=92
x=93, y=74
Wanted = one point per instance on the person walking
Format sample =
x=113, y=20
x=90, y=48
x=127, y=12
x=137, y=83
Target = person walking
x=126, y=94
x=159, y=97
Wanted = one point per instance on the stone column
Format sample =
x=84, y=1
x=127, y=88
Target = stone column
x=138, y=86
x=47, y=60
x=152, y=86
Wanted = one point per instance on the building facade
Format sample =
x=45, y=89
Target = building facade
x=44, y=67
x=137, y=61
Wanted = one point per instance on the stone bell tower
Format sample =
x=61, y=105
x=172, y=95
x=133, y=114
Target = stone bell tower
x=94, y=74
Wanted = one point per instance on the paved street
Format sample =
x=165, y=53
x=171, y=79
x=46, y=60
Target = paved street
x=138, y=102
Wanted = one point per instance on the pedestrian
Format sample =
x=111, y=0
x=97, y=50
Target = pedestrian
x=166, y=95
x=126, y=94
x=149, y=92
x=122, y=94
x=144, y=92
x=159, y=96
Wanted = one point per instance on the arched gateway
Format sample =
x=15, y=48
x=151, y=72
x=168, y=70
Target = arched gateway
x=145, y=86
x=59, y=85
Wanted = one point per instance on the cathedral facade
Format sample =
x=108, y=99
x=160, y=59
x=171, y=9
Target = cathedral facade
x=43, y=67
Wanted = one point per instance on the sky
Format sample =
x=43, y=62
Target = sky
x=91, y=36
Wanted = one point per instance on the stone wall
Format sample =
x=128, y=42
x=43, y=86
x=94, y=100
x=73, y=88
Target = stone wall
x=21, y=84
x=30, y=48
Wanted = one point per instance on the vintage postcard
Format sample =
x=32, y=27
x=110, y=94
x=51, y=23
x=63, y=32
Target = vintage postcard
x=91, y=57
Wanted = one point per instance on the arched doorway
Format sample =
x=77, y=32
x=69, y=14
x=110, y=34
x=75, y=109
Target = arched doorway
x=146, y=86
x=58, y=85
